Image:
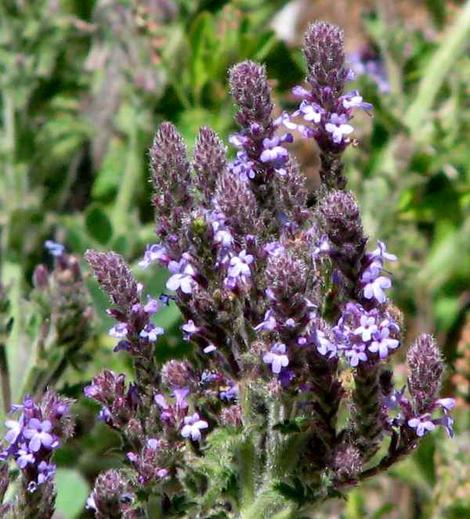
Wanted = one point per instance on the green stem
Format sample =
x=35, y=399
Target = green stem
x=438, y=69
x=129, y=180
x=268, y=505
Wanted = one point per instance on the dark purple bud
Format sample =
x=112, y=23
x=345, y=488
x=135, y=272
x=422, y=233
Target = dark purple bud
x=231, y=416
x=425, y=361
x=237, y=202
x=111, y=496
x=346, y=464
x=209, y=161
x=170, y=167
x=286, y=280
x=293, y=193
x=324, y=53
x=176, y=374
x=249, y=87
x=41, y=277
x=115, y=277
x=341, y=219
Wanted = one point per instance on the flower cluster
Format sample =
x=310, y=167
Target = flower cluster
x=325, y=109
x=278, y=297
x=33, y=437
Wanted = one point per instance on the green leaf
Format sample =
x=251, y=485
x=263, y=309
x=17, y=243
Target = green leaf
x=98, y=224
x=72, y=492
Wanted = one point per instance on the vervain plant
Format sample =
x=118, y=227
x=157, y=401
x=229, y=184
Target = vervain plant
x=286, y=398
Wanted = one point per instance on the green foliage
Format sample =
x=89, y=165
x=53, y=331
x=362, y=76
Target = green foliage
x=82, y=90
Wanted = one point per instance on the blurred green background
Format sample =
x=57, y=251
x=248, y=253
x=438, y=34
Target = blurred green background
x=84, y=84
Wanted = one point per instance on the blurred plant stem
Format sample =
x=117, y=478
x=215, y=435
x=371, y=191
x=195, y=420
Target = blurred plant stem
x=129, y=180
x=437, y=70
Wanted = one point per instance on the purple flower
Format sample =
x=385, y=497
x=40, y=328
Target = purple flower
x=182, y=278
x=447, y=404
x=324, y=346
x=367, y=328
x=223, y=237
x=38, y=434
x=243, y=167
x=154, y=253
x=338, y=128
x=152, y=306
x=380, y=255
x=322, y=248
x=239, y=266
x=375, y=289
x=355, y=100
x=24, y=457
x=269, y=323
x=119, y=331
x=276, y=357
x=382, y=342
x=15, y=429
x=210, y=348
x=355, y=353
x=448, y=423
x=151, y=332
x=311, y=112
x=153, y=443
x=422, y=424
x=54, y=248
x=273, y=152
x=193, y=426
x=46, y=472
x=189, y=329
x=180, y=395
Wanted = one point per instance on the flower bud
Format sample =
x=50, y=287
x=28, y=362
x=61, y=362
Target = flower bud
x=425, y=362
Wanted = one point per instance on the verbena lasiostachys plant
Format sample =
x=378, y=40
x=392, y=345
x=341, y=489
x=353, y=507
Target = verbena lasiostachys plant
x=30, y=441
x=281, y=298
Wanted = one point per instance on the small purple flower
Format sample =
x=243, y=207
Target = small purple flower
x=239, y=266
x=355, y=354
x=54, y=248
x=355, y=100
x=154, y=253
x=269, y=323
x=382, y=343
x=46, y=472
x=14, y=430
x=231, y=393
x=448, y=423
x=243, y=167
x=152, y=306
x=193, y=426
x=273, y=152
x=151, y=332
x=447, y=404
x=153, y=443
x=367, y=328
x=380, y=255
x=210, y=348
x=324, y=346
x=24, y=457
x=422, y=424
x=274, y=248
x=189, y=329
x=119, y=331
x=276, y=357
x=322, y=248
x=311, y=112
x=223, y=237
x=38, y=434
x=182, y=278
x=338, y=128
x=375, y=289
